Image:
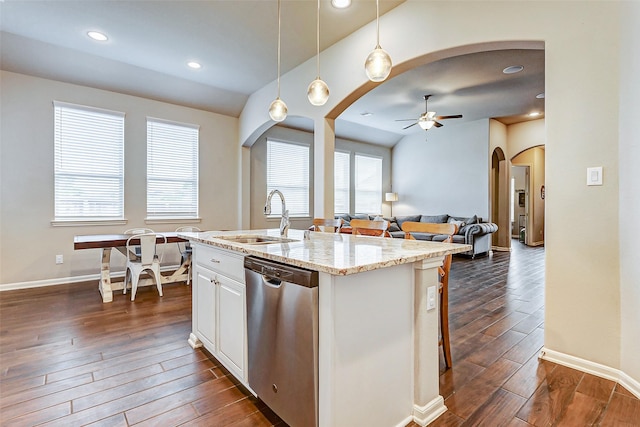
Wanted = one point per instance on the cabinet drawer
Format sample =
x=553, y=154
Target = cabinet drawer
x=224, y=262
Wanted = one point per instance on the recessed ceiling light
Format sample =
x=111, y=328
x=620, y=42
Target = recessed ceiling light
x=534, y=114
x=513, y=69
x=366, y=114
x=98, y=36
x=540, y=95
x=194, y=65
x=341, y=4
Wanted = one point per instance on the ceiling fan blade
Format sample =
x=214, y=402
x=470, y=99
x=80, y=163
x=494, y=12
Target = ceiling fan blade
x=438, y=125
x=412, y=124
x=403, y=120
x=457, y=116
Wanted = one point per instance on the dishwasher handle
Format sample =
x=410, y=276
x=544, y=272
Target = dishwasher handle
x=276, y=272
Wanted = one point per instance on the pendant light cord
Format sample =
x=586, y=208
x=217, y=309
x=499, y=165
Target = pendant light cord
x=318, y=40
x=278, y=48
x=377, y=23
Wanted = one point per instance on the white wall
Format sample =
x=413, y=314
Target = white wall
x=630, y=192
x=443, y=170
x=29, y=243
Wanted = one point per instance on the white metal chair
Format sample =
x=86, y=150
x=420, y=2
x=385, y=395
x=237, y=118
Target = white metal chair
x=186, y=250
x=149, y=261
x=136, y=249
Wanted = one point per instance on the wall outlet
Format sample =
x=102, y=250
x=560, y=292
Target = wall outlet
x=59, y=259
x=431, y=297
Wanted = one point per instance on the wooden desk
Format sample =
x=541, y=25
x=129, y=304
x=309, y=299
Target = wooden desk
x=106, y=242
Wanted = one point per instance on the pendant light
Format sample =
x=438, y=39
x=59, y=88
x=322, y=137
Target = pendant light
x=318, y=91
x=378, y=63
x=278, y=109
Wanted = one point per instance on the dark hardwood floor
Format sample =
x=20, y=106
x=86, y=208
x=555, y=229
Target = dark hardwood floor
x=67, y=359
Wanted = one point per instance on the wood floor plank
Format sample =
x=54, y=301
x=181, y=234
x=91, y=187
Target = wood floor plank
x=552, y=398
x=213, y=390
x=527, y=347
x=622, y=411
x=495, y=348
x=583, y=410
x=498, y=410
x=174, y=417
x=473, y=395
x=528, y=378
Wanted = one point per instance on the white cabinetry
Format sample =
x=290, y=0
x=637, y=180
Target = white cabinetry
x=219, y=307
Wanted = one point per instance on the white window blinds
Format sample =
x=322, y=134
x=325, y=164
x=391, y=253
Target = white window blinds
x=89, y=163
x=368, y=185
x=288, y=171
x=172, y=169
x=341, y=182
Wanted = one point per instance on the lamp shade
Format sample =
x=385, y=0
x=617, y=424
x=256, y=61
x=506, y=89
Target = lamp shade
x=391, y=197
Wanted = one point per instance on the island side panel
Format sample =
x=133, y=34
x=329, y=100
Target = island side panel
x=428, y=403
x=366, y=348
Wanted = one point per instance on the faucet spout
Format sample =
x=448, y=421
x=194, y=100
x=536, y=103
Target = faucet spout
x=284, y=220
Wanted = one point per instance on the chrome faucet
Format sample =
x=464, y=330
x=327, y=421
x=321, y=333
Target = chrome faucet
x=284, y=221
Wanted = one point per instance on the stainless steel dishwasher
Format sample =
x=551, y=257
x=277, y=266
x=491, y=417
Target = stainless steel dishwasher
x=282, y=329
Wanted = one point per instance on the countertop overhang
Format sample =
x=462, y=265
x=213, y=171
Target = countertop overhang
x=333, y=253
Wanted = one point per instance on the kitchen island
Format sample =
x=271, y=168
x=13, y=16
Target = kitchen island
x=377, y=329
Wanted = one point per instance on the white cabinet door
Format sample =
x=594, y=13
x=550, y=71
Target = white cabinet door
x=231, y=324
x=205, y=306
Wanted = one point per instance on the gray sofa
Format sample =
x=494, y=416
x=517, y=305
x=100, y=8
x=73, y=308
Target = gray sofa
x=472, y=230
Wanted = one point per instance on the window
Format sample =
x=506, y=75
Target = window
x=89, y=163
x=341, y=182
x=368, y=177
x=172, y=169
x=288, y=171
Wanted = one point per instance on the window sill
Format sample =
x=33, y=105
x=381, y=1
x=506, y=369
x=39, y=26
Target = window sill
x=86, y=222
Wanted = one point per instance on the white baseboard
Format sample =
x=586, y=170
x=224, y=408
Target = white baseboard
x=592, y=368
x=424, y=415
x=65, y=280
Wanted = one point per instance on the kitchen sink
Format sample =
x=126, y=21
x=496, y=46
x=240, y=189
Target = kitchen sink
x=255, y=239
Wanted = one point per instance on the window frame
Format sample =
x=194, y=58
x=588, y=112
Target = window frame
x=275, y=204
x=158, y=215
x=348, y=188
x=355, y=183
x=63, y=141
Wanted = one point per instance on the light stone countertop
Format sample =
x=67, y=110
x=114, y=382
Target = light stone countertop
x=337, y=254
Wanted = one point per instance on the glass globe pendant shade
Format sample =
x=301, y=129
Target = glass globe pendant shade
x=378, y=65
x=318, y=92
x=278, y=110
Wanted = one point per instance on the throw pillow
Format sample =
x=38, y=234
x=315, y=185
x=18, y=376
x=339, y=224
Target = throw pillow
x=411, y=218
x=393, y=227
x=460, y=224
x=438, y=219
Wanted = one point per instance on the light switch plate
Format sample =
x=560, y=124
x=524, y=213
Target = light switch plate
x=594, y=176
x=431, y=298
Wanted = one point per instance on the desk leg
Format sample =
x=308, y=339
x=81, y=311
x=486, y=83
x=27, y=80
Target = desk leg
x=105, y=276
x=428, y=404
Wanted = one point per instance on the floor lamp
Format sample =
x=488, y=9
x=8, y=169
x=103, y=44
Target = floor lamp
x=391, y=197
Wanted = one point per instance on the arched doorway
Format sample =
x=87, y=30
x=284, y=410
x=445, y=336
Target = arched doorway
x=500, y=199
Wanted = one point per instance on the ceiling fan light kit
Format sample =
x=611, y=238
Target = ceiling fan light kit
x=378, y=63
x=428, y=119
x=278, y=109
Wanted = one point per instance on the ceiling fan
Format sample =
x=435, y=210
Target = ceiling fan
x=428, y=119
